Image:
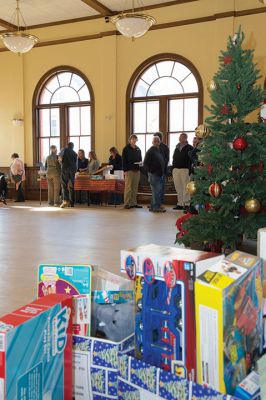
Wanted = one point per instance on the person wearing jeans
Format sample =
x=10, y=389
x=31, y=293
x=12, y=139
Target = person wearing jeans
x=155, y=165
x=166, y=154
x=131, y=160
x=181, y=171
x=69, y=165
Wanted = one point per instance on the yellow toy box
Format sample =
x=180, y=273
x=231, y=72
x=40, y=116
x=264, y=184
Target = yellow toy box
x=228, y=299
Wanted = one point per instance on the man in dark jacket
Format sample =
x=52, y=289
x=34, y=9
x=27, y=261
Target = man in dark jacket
x=155, y=164
x=132, y=159
x=166, y=154
x=181, y=171
x=69, y=162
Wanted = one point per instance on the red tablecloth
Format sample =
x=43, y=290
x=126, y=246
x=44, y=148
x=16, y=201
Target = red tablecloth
x=84, y=183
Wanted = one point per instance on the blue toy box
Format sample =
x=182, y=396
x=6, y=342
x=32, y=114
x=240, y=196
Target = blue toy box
x=36, y=351
x=74, y=280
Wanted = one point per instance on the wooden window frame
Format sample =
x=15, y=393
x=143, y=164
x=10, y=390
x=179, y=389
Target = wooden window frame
x=63, y=109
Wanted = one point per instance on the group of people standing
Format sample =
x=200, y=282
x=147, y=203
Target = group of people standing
x=156, y=165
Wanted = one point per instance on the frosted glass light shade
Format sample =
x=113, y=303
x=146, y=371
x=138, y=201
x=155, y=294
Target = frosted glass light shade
x=19, y=42
x=133, y=25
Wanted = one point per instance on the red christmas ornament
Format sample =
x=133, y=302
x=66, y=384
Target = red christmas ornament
x=209, y=206
x=238, y=86
x=225, y=109
x=240, y=144
x=210, y=169
x=215, y=190
x=260, y=166
x=228, y=60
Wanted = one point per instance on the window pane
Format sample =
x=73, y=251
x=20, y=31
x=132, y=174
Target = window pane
x=84, y=94
x=150, y=75
x=76, y=82
x=153, y=116
x=139, y=117
x=53, y=84
x=85, y=120
x=174, y=139
x=65, y=95
x=45, y=97
x=75, y=140
x=141, y=145
x=165, y=68
x=44, y=122
x=141, y=89
x=44, y=149
x=148, y=143
x=55, y=142
x=176, y=115
x=64, y=78
x=55, y=122
x=85, y=144
x=180, y=71
x=190, y=84
x=190, y=114
x=164, y=86
x=74, y=121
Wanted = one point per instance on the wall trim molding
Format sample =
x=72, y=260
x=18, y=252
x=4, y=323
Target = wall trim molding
x=166, y=25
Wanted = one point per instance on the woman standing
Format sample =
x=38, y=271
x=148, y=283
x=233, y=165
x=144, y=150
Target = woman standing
x=53, y=173
x=17, y=172
x=94, y=163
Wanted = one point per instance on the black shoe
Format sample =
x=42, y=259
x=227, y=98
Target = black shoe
x=127, y=207
x=137, y=206
x=178, y=207
x=71, y=204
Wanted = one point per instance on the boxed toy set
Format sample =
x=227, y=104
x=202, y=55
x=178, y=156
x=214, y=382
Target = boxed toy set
x=165, y=319
x=140, y=381
x=229, y=320
x=74, y=280
x=95, y=367
x=36, y=351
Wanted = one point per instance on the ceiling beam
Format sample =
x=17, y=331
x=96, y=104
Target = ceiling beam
x=8, y=25
x=99, y=7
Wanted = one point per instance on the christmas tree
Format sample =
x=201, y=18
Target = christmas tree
x=229, y=185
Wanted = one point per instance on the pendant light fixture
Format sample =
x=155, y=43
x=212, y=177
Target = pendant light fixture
x=19, y=41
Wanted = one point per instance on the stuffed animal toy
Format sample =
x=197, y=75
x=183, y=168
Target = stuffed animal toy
x=114, y=322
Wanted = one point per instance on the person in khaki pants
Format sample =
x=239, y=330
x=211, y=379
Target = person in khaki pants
x=181, y=171
x=131, y=158
x=53, y=169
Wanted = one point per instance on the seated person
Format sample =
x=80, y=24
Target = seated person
x=94, y=163
x=83, y=162
x=115, y=160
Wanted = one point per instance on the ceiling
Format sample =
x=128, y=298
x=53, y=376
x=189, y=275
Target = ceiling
x=42, y=12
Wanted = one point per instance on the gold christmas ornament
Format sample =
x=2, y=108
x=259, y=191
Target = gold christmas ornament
x=191, y=187
x=211, y=85
x=202, y=131
x=252, y=206
x=234, y=108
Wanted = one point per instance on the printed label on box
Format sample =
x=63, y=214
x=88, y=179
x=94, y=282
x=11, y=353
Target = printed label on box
x=208, y=345
x=30, y=386
x=81, y=389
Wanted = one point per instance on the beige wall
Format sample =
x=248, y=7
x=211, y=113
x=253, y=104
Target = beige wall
x=109, y=63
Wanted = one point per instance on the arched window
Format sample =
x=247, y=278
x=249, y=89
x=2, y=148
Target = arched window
x=63, y=112
x=164, y=94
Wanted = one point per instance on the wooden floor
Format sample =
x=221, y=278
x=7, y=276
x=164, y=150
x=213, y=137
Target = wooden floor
x=31, y=235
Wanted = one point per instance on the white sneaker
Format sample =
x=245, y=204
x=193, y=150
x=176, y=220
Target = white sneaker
x=64, y=204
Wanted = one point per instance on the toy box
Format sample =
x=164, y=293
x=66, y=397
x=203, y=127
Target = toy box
x=74, y=280
x=140, y=381
x=36, y=351
x=229, y=320
x=95, y=367
x=249, y=388
x=165, y=320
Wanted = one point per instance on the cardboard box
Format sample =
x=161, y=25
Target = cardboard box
x=133, y=260
x=74, y=280
x=229, y=320
x=95, y=367
x=249, y=388
x=140, y=381
x=261, y=247
x=36, y=351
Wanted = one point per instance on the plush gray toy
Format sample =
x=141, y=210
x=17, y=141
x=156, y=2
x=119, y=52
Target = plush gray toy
x=112, y=321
